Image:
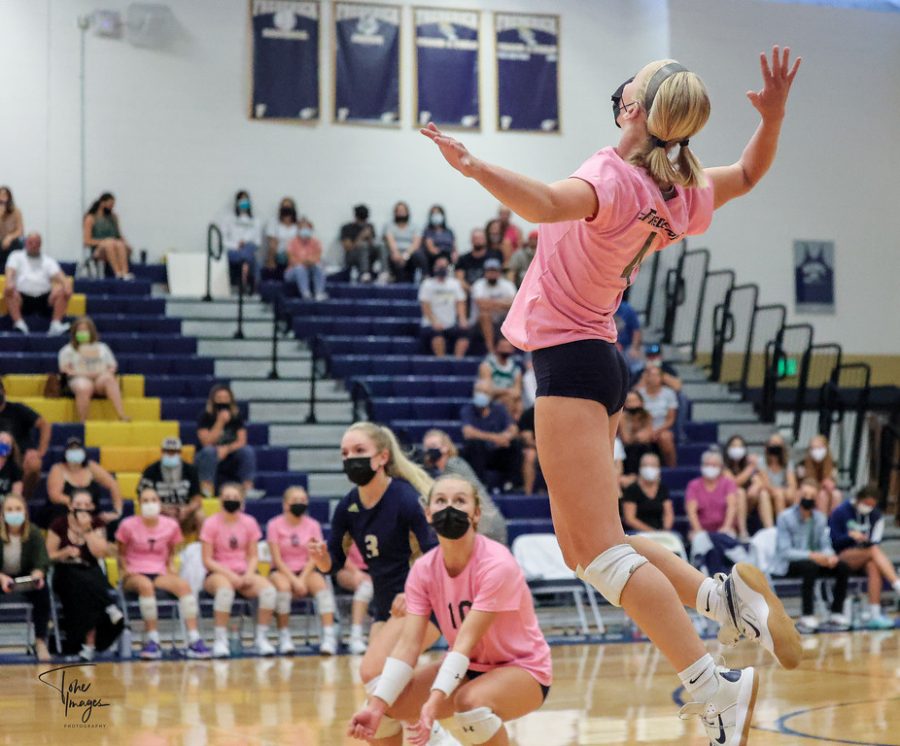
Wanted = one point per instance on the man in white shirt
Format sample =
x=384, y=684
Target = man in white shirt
x=444, y=311
x=36, y=286
x=492, y=296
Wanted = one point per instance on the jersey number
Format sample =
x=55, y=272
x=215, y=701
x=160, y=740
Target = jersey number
x=371, y=546
x=638, y=258
x=463, y=606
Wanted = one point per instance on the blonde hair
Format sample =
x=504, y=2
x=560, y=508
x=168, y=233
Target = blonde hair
x=398, y=464
x=26, y=527
x=291, y=490
x=678, y=111
x=447, y=441
x=473, y=488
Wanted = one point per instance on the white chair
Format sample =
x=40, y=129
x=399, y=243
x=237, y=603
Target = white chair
x=763, y=545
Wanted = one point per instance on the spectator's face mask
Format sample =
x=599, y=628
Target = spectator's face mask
x=151, y=509
x=633, y=410
x=773, y=450
x=298, y=509
x=492, y=279
x=220, y=406
x=433, y=455
x=305, y=233
x=359, y=470
x=711, y=471
x=401, y=218
x=83, y=336
x=244, y=205
x=736, y=453
x=170, y=460
x=440, y=273
x=481, y=400
x=650, y=473
x=287, y=213
x=75, y=456
x=864, y=508
x=14, y=519
x=436, y=219
x=5, y=449
x=477, y=248
x=818, y=454
x=450, y=523
x=807, y=503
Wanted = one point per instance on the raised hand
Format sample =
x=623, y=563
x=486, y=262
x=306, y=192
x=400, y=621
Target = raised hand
x=777, y=79
x=453, y=150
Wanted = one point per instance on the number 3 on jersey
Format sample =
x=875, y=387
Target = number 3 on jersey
x=638, y=258
x=371, y=546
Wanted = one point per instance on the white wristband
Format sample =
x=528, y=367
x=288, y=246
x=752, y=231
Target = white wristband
x=393, y=680
x=451, y=673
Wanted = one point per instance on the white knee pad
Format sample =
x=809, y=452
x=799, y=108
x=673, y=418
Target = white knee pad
x=325, y=601
x=282, y=602
x=611, y=571
x=147, y=605
x=388, y=727
x=267, y=598
x=364, y=593
x=187, y=606
x=478, y=725
x=223, y=600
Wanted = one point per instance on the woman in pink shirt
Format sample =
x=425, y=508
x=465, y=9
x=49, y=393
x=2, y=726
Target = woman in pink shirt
x=294, y=574
x=304, y=258
x=498, y=667
x=620, y=205
x=147, y=545
x=710, y=500
x=230, y=554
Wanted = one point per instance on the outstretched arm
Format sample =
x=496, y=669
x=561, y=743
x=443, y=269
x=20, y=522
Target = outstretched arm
x=535, y=201
x=739, y=178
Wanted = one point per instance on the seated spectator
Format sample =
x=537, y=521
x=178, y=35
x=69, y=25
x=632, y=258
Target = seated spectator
x=280, y=233
x=12, y=227
x=76, y=544
x=646, y=505
x=224, y=452
x=521, y=260
x=819, y=466
x=630, y=337
x=361, y=249
x=230, y=554
x=102, y=234
x=36, y=286
x=10, y=470
x=89, y=368
x=710, y=500
x=294, y=574
x=742, y=468
x=305, y=263
x=242, y=238
x=512, y=236
x=776, y=474
x=804, y=551
x=24, y=553
x=503, y=373
x=662, y=404
x=437, y=239
x=635, y=432
x=403, y=242
x=490, y=439
x=494, y=232
x=444, y=312
x=78, y=473
x=470, y=267
x=442, y=457
x=146, y=550
x=26, y=426
x=178, y=486
x=652, y=356
x=354, y=578
x=857, y=528
x=492, y=296
x=530, y=466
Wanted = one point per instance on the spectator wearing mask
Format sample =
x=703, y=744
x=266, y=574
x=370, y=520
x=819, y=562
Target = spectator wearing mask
x=818, y=465
x=635, y=431
x=223, y=444
x=857, y=528
x=512, y=236
x=12, y=227
x=178, y=486
x=521, y=260
x=36, y=286
x=10, y=470
x=24, y=553
x=803, y=550
x=662, y=404
x=280, y=233
x=443, y=304
x=437, y=239
x=470, y=267
x=25, y=425
x=305, y=263
x=76, y=544
x=743, y=468
x=653, y=358
x=776, y=474
x=442, y=458
x=361, y=250
x=403, y=242
x=102, y=233
x=492, y=297
x=494, y=232
x=489, y=435
x=710, y=500
x=76, y=472
x=646, y=505
x=242, y=236
x=502, y=372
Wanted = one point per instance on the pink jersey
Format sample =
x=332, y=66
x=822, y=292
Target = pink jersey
x=291, y=540
x=492, y=581
x=575, y=282
x=146, y=548
x=230, y=539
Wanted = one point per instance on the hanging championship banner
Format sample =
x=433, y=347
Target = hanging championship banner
x=367, y=63
x=447, y=48
x=285, y=59
x=527, y=72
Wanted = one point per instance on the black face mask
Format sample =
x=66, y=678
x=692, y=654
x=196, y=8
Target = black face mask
x=808, y=503
x=107, y=211
x=617, y=101
x=493, y=281
x=479, y=248
x=222, y=407
x=440, y=273
x=399, y=219
x=287, y=212
x=634, y=410
x=433, y=455
x=298, y=509
x=451, y=523
x=774, y=450
x=359, y=470
x=231, y=506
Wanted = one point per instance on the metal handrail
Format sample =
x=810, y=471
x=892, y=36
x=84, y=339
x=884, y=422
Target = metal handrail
x=724, y=327
x=213, y=236
x=748, y=354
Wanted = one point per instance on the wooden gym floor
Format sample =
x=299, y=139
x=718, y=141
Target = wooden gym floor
x=846, y=691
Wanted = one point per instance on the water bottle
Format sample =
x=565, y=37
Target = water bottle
x=855, y=613
x=125, y=641
x=235, y=645
x=354, y=275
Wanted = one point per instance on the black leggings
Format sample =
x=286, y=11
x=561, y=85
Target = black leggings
x=84, y=594
x=810, y=571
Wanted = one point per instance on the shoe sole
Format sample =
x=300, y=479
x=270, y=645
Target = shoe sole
x=748, y=717
x=785, y=639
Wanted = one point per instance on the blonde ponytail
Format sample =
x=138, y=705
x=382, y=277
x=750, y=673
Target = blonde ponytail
x=398, y=465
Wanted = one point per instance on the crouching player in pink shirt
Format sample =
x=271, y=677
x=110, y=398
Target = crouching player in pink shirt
x=147, y=545
x=498, y=667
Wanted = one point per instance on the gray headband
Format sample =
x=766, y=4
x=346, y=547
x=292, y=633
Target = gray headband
x=659, y=77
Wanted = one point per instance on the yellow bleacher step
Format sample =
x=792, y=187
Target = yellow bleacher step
x=19, y=386
x=77, y=303
x=148, y=434
x=63, y=410
x=136, y=458
x=128, y=482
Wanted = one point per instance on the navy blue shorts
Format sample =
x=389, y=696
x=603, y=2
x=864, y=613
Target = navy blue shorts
x=588, y=369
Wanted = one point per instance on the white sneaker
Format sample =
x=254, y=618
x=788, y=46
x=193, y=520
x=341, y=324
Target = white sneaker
x=114, y=613
x=87, y=653
x=358, y=646
x=808, y=623
x=220, y=649
x=758, y=614
x=264, y=647
x=57, y=328
x=21, y=326
x=728, y=715
x=328, y=646
x=839, y=620
x=285, y=644
x=322, y=296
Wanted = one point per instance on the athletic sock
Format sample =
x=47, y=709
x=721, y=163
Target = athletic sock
x=193, y=636
x=700, y=679
x=153, y=636
x=710, y=602
x=221, y=633
x=356, y=631
x=875, y=610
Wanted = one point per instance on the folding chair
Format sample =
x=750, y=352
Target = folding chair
x=668, y=539
x=16, y=611
x=166, y=604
